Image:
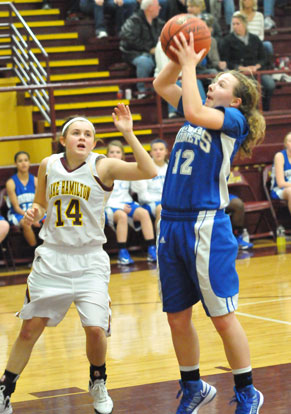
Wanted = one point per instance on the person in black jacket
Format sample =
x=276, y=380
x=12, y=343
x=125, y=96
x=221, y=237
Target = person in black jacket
x=245, y=51
x=139, y=36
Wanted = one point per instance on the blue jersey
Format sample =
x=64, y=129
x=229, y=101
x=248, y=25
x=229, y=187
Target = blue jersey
x=200, y=163
x=287, y=171
x=25, y=194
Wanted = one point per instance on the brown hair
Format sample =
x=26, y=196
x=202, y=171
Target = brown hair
x=116, y=143
x=248, y=90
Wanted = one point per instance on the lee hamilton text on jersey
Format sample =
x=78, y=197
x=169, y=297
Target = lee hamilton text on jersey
x=68, y=187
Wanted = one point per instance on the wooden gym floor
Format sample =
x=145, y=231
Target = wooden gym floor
x=141, y=365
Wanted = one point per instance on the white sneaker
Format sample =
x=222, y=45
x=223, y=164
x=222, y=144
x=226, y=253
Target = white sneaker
x=269, y=23
x=5, y=406
x=101, y=34
x=103, y=404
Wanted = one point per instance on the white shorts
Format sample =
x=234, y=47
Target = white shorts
x=61, y=276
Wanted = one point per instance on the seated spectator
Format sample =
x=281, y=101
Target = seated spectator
x=149, y=192
x=174, y=7
x=256, y=23
x=121, y=9
x=214, y=7
x=197, y=8
x=269, y=6
x=4, y=228
x=211, y=64
x=121, y=210
x=245, y=51
x=139, y=36
x=236, y=211
x=161, y=60
x=281, y=173
x=20, y=195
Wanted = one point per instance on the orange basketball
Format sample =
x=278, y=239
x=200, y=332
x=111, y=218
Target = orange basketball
x=186, y=23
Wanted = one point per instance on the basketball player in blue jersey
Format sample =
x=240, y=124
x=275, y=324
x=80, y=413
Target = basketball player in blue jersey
x=20, y=191
x=281, y=173
x=196, y=246
x=71, y=265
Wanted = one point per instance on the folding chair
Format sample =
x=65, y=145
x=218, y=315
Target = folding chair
x=253, y=205
x=277, y=204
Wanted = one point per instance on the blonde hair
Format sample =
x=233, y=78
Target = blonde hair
x=242, y=17
x=248, y=90
x=255, y=5
x=116, y=143
x=196, y=3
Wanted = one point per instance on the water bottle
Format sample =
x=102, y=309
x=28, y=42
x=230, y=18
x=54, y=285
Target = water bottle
x=281, y=240
x=245, y=236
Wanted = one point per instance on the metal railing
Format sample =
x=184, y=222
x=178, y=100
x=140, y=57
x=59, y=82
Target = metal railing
x=18, y=57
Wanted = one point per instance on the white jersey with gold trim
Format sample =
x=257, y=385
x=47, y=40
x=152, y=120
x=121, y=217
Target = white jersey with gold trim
x=76, y=202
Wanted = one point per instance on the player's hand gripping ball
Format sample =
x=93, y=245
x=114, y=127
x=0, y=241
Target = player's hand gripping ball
x=185, y=23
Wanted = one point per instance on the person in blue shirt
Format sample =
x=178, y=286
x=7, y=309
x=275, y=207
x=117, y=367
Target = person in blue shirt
x=281, y=173
x=196, y=246
x=21, y=189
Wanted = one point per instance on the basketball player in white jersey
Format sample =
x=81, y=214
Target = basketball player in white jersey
x=71, y=265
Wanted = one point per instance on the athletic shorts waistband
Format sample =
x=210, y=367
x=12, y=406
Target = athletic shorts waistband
x=190, y=215
x=73, y=249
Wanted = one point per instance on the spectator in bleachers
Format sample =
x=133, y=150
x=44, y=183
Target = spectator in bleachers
x=269, y=7
x=198, y=9
x=161, y=60
x=245, y=51
x=281, y=173
x=120, y=9
x=236, y=211
x=213, y=59
x=139, y=36
x=256, y=23
x=214, y=7
x=20, y=195
x=121, y=210
x=4, y=228
x=149, y=192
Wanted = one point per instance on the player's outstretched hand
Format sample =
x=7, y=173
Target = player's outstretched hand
x=30, y=216
x=122, y=118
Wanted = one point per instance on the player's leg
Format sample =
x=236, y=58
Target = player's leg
x=19, y=356
x=236, y=347
x=158, y=215
x=28, y=233
x=142, y=215
x=121, y=219
x=179, y=293
x=287, y=196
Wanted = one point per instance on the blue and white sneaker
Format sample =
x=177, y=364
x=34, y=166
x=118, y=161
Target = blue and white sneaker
x=152, y=254
x=242, y=244
x=124, y=257
x=249, y=400
x=195, y=395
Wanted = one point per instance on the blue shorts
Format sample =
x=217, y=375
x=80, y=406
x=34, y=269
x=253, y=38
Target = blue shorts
x=109, y=212
x=2, y=218
x=15, y=218
x=196, y=261
x=151, y=207
x=277, y=193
